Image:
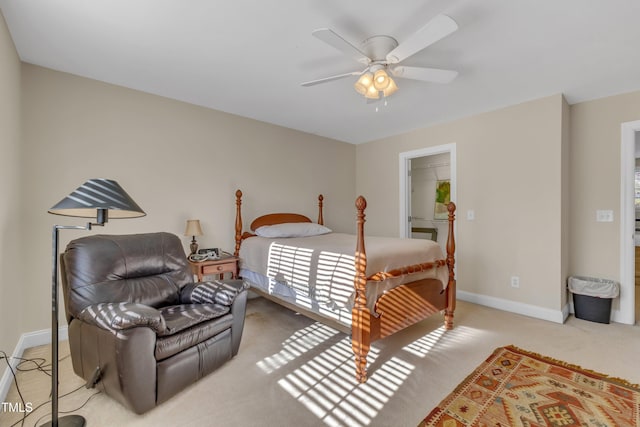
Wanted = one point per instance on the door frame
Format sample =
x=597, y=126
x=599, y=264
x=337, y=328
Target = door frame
x=405, y=186
x=626, y=312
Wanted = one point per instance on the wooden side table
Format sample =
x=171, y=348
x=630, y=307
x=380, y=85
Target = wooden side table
x=226, y=264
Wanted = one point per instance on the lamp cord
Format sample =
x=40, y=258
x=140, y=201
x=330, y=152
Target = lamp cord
x=15, y=380
x=41, y=365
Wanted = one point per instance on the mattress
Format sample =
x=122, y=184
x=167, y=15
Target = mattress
x=317, y=272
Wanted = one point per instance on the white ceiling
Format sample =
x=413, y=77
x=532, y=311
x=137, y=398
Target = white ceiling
x=248, y=57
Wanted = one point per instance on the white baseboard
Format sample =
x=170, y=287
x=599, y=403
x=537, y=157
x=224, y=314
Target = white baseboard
x=27, y=340
x=557, y=316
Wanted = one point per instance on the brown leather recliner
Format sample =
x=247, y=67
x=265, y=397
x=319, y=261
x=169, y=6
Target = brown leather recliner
x=139, y=328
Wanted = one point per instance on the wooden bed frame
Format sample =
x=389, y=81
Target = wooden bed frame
x=395, y=309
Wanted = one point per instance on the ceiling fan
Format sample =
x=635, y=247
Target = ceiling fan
x=382, y=55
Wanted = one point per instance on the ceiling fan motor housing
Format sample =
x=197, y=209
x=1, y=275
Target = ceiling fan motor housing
x=377, y=47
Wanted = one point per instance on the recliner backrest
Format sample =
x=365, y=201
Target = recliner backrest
x=146, y=268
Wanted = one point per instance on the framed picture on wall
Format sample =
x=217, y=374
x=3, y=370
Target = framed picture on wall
x=443, y=197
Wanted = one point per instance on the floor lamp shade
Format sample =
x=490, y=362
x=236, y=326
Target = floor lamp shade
x=95, y=195
x=100, y=199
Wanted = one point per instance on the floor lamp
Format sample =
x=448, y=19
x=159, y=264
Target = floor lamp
x=101, y=199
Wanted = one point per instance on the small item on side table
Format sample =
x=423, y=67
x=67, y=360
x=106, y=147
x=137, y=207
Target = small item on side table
x=205, y=255
x=225, y=264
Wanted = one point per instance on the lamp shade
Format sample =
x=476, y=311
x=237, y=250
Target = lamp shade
x=193, y=228
x=98, y=195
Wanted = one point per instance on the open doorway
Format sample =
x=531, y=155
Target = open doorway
x=430, y=180
x=425, y=173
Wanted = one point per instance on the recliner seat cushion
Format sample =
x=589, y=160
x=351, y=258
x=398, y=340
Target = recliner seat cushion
x=183, y=316
x=187, y=326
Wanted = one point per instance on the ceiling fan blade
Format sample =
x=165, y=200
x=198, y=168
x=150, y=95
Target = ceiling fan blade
x=331, y=38
x=436, y=29
x=332, y=78
x=434, y=75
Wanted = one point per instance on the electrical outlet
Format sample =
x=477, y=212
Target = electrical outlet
x=515, y=282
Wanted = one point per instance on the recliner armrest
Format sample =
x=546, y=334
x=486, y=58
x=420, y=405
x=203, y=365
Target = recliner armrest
x=123, y=315
x=222, y=292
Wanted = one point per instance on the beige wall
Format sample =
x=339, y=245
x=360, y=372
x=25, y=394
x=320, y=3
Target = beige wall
x=176, y=160
x=509, y=171
x=595, y=182
x=11, y=227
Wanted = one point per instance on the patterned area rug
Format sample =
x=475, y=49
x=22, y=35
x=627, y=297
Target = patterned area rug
x=514, y=387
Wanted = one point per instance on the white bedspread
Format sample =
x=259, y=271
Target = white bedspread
x=317, y=272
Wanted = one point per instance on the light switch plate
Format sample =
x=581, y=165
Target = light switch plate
x=604, y=216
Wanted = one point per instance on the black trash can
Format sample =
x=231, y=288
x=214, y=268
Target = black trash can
x=592, y=297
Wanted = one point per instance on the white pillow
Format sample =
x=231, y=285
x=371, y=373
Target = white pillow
x=292, y=229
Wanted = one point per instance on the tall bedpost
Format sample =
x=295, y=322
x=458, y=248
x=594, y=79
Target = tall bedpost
x=451, y=287
x=360, y=316
x=320, y=218
x=238, y=222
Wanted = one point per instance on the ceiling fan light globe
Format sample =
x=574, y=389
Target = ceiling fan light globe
x=360, y=88
x=391, y=89
x=381, y=80
x=363, y=83
x=367, y=79
x=372, y=93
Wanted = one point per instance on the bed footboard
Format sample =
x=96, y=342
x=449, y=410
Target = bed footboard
x=408, y=304
x=402, y=306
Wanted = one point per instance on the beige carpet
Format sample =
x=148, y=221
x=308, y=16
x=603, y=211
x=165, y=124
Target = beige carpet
x=291, y=371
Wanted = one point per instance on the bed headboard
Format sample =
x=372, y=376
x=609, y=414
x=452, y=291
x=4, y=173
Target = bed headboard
x=277, y=218
x=269, y=219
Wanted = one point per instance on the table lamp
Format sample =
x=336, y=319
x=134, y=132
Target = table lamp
x=193, y=229
x=100, y=199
